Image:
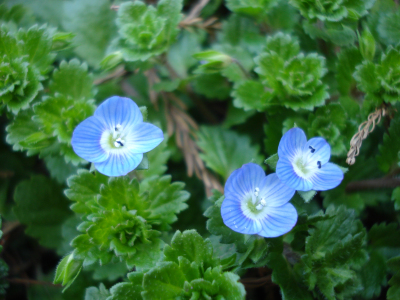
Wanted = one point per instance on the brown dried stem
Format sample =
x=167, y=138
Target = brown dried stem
x=364, y=130
x=180, y=123
x=119, y=72
x=379, y=183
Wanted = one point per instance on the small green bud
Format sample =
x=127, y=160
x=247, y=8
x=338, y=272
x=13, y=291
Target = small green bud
x=62, y=41
x=367, y=44
x=111, y=60
x=213, y=61
x=67, y=270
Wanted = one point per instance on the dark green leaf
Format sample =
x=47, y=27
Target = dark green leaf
x=42, y=209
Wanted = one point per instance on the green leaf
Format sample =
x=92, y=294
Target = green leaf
x=236, y=116
x=373, y=275
x=180, y=54
x=191, y=246
x=213, y=86
x=272, y=161
x=255, y=8
x=293, y=79
x=333, y=11
x=67, y=271
x=36, y=43
x=93, y=293
x=243, y=32
x=21, y=84
x=57, y=121
x=250, y=94
x=167, y=199
x=396, y=198
x=334, y=246
x=382, y=238
x=389, y=27
x=24, y=134
x=348, y=59
x=286, y=278
x=72, y=79
x=42, y=209
x=307, y=196
x=83, y=190
x=158, y=282
x=390, y=147
x=145, y=30
x=187, y=272
x=394, y=290
x=128, y=290
x=284, y=45
x=94, y=27
x=58, y=168
x=381, y=81
x=225, y=151
x=367, y=44
x=121, y=216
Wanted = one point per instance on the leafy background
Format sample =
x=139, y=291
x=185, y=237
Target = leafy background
x=224, y=80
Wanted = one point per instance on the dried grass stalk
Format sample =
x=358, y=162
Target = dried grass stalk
x=364, y=130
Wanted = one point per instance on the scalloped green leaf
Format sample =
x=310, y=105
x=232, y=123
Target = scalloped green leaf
x=42, y=209
x=71, y=79
x=146, y=31
x=93, y=24
x=225, y=151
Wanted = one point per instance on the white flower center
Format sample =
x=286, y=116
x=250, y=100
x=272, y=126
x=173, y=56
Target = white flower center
x=113, y=139
x=304, y=163
x=252, y=206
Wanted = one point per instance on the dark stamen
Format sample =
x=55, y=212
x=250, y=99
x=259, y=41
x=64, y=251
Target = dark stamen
x=319, y=164
x=312, y=149
x=120, y=143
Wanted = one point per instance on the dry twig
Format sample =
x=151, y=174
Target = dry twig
x=180, y=123
x=119, y=72
x=364, y=130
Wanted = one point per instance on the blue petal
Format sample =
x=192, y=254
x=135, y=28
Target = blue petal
x=328, y=177
x=119, y=111
x=144, y=137
x=321, y=152
x=278, y=221
x=275, y=192
x=119, y=164
x=234, y=218
x=291, y=142
x=243, y=181
x=286, y=173
x=86, y=140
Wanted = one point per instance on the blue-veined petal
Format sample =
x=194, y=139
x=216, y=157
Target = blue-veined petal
x=243, y=181
x=286, y=173
x=118, y=164
x=234, y=218
x=317, y=149
x=143, y=137
x=119, y=111
x=86, y=140
x=278, y=221
x=274, y=191
x=292, y=142
x=326, y=178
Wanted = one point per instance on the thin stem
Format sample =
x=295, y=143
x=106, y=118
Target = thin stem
x=370, y=184
x=31, y=281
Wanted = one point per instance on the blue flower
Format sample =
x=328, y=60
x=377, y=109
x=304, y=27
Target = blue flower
x=115, y=138
x=257, y=204
x=304, y=165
